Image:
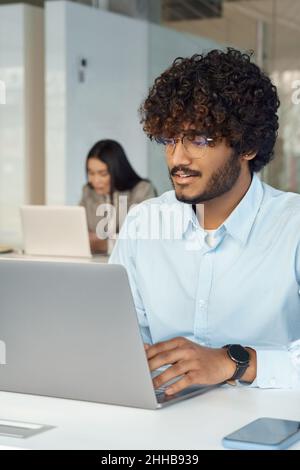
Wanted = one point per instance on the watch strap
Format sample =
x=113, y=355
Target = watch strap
x=239, y=371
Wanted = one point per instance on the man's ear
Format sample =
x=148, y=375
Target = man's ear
x=248, y=156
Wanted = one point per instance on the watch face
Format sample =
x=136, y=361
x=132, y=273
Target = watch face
x=238, y=353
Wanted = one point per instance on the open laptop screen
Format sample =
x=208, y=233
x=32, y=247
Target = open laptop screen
x=55, y=231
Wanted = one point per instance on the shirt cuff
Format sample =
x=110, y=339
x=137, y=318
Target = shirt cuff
x=275, y=369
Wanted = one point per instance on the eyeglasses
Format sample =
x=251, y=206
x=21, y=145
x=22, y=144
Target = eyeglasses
x=195, y=145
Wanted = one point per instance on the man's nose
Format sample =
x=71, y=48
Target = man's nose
x=179, y=155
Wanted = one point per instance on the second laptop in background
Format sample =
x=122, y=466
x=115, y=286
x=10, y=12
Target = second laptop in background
x=55, y=231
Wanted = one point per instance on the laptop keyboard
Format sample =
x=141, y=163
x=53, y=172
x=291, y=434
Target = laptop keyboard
x=161, y=390
x=193, y=389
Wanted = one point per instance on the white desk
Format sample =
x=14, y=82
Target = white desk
x=198, y=423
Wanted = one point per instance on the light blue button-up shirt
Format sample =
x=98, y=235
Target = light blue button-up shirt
x=245, y=289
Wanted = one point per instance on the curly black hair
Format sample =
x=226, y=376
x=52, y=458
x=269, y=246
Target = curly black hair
x=222, y=94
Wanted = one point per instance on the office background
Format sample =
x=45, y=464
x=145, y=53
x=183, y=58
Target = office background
x=76, y=72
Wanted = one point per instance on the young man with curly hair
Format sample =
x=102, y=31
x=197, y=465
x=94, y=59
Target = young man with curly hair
x=221, y=302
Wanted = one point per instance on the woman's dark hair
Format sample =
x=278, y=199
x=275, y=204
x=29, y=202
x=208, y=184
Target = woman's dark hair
x=222, y=94
x=123, y=177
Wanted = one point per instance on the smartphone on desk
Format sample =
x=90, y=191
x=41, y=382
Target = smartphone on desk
x=264, y=434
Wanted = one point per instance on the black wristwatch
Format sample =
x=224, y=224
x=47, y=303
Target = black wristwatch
x=241, y=357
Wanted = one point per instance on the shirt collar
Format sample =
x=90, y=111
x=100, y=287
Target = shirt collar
x=241, y=219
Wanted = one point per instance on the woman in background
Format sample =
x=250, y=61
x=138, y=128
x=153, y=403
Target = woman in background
x=110, y=175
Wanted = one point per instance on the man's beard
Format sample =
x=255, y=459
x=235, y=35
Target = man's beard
x=220, y=182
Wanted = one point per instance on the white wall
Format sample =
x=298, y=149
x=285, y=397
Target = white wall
x=21, y=118
x=55, y=103
x=11, y=120
x=104, y=105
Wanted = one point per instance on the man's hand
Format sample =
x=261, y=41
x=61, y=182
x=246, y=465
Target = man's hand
x=198, y=365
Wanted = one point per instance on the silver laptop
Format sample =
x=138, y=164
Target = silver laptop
x=70, y=330
x=55, y=231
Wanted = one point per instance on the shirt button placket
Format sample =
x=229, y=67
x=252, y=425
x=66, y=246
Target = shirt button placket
x=202, y=297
